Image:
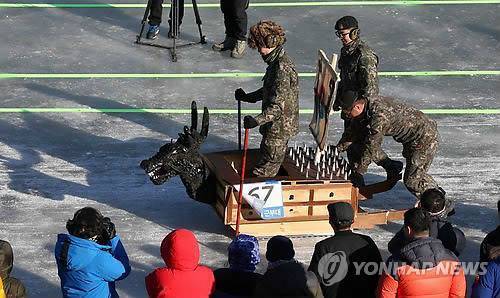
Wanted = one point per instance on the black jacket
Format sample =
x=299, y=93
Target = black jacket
x=231, y=283
x=357, y=248
x=288, y=279
x=451, y=237
x=491, y=241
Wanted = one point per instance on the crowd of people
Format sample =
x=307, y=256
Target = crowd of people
x=424, y=262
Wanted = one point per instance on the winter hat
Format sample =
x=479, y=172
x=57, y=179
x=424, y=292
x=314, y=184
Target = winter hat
x=346, y=22
x=243, y=253
x=340, y=212
x=266, y=34
x=86, y=223
x=6, y=259
x=279, y=248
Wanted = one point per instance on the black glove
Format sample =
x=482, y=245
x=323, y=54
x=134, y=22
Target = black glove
x=250, y=122
x=108, y=231
x=240, y=95
x=357, y=179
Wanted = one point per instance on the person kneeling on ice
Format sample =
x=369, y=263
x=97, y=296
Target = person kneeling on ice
x=279, y=120
x=182, y=275
x=92, y=257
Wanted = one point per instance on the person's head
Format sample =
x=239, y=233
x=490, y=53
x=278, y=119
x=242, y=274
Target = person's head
x=265, y=36
x=279, y=248
x=180, y=250
x=416, y=223
x=346, y=28
x=433, y=201
x=87, y=223
x=6, y=259
x=341, y=216
x=352, y=104
x=243, y=253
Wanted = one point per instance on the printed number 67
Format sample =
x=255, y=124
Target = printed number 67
x=253, y=192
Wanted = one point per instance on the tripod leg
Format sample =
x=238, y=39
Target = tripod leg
x=144, y=19
x=198, y=21
x=175, y=27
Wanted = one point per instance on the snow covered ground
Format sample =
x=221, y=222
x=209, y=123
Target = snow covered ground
x=52, y=164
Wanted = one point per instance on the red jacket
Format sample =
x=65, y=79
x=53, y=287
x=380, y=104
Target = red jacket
x=182, y=276
x=426, y=269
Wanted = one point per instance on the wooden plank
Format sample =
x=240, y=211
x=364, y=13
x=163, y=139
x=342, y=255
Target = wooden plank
x=321, y=227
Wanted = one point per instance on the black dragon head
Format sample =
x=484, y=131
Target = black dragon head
x=182, y=158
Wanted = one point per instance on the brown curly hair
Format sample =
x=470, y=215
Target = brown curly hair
x=266, y=34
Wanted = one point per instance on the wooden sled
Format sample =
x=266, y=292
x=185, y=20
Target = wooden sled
x=304, y=199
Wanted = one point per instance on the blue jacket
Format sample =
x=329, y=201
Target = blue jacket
x=88, y=269
x=488, y=285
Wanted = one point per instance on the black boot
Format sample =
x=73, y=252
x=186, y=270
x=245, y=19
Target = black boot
x=393, y=168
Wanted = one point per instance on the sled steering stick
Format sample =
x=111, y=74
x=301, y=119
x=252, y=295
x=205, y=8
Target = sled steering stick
x=242, y=179
x=239, y=125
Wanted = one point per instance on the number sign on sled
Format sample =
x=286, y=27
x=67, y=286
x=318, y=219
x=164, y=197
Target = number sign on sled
x=266, y=198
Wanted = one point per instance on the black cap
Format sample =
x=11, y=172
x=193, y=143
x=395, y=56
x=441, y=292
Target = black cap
x=347, y=99
x=341, y=212
x=279, y=248
x=346, y=22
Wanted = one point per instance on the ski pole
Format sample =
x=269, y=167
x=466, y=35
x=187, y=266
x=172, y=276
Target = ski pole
x=242, y=179
x=239, y=125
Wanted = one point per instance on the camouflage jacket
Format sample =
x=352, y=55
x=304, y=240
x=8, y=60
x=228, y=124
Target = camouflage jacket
x=280, y=97
x=385, y=116
x=358, y=70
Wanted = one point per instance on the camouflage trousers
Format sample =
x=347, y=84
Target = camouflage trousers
x=419, y=158
x=272, y=154
x=355, y=149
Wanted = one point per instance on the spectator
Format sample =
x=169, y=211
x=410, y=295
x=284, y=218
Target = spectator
x=155, y=14
x=92, y=257
x=433, y=201
x=182, y=276
x=349, y=248
x=423, y=267
x=12, y=286
x=286, y=277
x=488, y=284
x=239, y=280
x=491, y=241
x=235, y=23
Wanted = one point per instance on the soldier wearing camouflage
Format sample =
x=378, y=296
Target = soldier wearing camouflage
x=358, y=72
x=279, y=120
x=358, y=63
x=384, y=116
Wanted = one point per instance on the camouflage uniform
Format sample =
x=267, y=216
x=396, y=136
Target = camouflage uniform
x=384, y=116
x=279, y=120
x=358, y=70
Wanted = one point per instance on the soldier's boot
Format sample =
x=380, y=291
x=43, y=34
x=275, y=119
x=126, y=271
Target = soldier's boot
x=393, y=168
x=227, y=44
x=239, y=49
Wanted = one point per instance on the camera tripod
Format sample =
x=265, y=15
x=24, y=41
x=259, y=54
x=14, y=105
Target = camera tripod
x=174, y=28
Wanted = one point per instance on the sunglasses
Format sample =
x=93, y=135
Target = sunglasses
x=340, y=34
